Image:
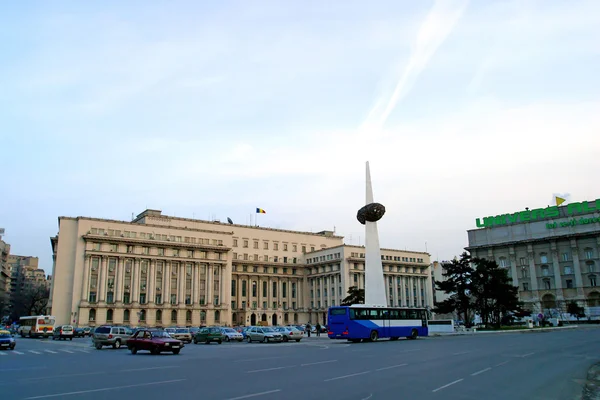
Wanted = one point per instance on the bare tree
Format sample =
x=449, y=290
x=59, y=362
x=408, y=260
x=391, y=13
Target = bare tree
x=31, y=299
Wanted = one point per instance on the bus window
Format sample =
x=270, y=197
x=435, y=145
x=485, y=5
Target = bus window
x=402, y=314
x=413, y=314
x=394, y=314
x=374, y=314
x=337, y=311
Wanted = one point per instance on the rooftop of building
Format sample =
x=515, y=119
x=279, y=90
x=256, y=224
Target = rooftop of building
x=363, y=248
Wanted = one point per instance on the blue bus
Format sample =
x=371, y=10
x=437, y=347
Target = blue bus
x=362, y=322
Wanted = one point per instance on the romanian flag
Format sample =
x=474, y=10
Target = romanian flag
x=260, y=211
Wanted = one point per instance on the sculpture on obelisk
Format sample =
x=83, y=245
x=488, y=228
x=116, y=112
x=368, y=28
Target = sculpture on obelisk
x=368, y=216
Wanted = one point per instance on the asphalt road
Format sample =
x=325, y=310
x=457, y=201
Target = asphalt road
x=529, y=366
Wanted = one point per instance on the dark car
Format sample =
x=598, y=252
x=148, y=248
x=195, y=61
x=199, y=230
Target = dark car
x=154, y=341
x=207, y=335
x=78, y=332
x=6, y=340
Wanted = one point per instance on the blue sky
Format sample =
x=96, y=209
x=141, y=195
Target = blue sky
x=463, y=108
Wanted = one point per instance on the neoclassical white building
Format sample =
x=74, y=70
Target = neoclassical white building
x=159, y=270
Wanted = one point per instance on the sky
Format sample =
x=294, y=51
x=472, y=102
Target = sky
x=206, y=110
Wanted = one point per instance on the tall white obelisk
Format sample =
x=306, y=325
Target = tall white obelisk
x=374, y=282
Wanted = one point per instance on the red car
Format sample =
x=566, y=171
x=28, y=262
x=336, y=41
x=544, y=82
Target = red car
x=155, y=341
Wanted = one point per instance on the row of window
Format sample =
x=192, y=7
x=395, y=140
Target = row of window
x=327, y=257
x=588, y=254
x=568, y=283
x=265, y=270
x=157, y=251
x=155, y=236
x=390, y=258
x=265, y=258
x=158, y=299
x=265, y=293
x=254, y=306
x=285, y=246
x=158, y=316
x=590, y=267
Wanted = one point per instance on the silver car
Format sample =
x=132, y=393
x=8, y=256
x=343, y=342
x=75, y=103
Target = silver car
x=289, y=333
x=263, y=334
x=231, y=334
x=114, y=336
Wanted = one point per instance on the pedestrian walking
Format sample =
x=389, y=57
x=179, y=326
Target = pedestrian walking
x=308, y=329
x=318, y=329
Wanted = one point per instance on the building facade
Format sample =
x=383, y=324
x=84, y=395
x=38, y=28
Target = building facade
x=25, y=270
x=4, y=278
x=550, y=253
x=159, y=270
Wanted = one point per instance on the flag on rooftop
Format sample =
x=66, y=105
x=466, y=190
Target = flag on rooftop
x=260, y=211
x=559, y=198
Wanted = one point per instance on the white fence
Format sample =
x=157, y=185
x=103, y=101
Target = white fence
x=441, y=326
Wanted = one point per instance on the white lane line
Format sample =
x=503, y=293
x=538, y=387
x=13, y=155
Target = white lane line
x=84, y=351
x=462, y=352
x=50, y=351
x=41, y=378
x=17, y=352
x=34, y=352
x=66, y=351
x=481, y=372
x=346, y=376
x=406, y=351
x=269, y=369
x=527, y=355
x=317, y=363
x=103, y=389
x=449, y=384
x=390, y=367
x=2, y=353
x=257, y=359
x=502, y=363
x=149, y=368
x=254, y=395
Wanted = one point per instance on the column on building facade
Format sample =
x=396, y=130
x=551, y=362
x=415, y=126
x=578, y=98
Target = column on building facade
x=181, y=279
x=195, y=283
x=209, y=285
x=86, y=279
x=166, y=292
x=532, y=270
x=152, y=282
x=270, y=293
x=513, y=266
x=577, y=269
x=395, y=290
x=119, y=282
x=238, y=291
x=419, y=297
x=102, y=280
x=411, y=291
x=135, y=281
x=557, y=272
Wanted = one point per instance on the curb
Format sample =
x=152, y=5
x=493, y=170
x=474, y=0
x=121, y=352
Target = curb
x=591, y=390
x=507, y=331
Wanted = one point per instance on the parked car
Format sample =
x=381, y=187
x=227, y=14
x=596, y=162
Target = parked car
x=289, y=333
x=230, y=334
x=78, y=332
x=63, y=332
x=154, y=341
x=182, y=334
x=208, y=335
x=7, y=341
x=194, y=330
x=114, y=336
x=263, y=334
x=87, y=331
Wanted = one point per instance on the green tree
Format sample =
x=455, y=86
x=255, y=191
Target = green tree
x=456, y=283
x=355, y=296
x=575, y=310
x=494, y=295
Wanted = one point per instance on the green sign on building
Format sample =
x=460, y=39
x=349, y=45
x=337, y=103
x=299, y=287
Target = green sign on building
x=538, y=214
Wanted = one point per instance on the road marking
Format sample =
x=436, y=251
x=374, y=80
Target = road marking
x=34, y=352
x=50, y=351
x=254, y=395
x=66, y=351
x=346, y=376
x=481, y=372
x=257, y=359
x=527, y=355
x=368, y=397
x=406, y=351
x=103, y=389
x=269, y=369
x=41, y=378
x=445, y=386
x=17, y=352
x=316, y=363
x=502, y=363
x=149, y=368
x=393, y=366
x=84, y=351
x=462, y=352
x=2, y=353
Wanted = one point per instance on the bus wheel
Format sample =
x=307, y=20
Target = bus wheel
x=413, y=334
x=374, y=336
